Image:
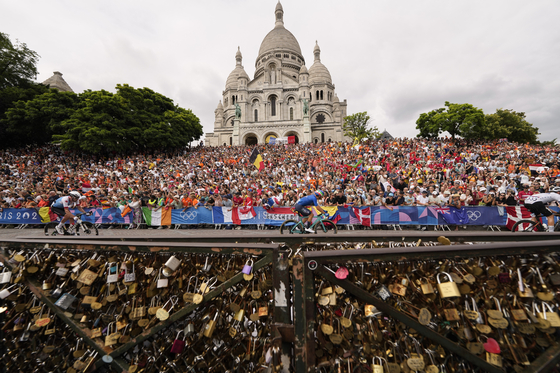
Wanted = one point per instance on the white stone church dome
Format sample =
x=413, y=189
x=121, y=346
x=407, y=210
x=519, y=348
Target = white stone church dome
x=279, y=39
x=318, y=73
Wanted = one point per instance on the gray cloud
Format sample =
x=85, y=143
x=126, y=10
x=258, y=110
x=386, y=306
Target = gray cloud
x=393, y=59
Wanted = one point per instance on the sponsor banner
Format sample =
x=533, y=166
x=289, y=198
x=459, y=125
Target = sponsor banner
x=277, y=215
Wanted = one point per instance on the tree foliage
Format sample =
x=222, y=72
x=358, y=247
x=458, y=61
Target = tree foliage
x=512, y=125
x=8, y=98
x=457, y=119
x=34, y=121
x=356, y=126
x=131, y=119
x=469, y=122
x=18, y=64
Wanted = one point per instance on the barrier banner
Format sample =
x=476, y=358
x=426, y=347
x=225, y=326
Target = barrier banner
x=19, y=216
x=200, y=215
x=402, y=215
x=277, y=215
x=106, y=216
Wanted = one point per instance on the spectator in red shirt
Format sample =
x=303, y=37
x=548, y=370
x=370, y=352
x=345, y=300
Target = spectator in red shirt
x=237, y=200
x=524, y=193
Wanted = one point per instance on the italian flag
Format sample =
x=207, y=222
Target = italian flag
x=161, y=216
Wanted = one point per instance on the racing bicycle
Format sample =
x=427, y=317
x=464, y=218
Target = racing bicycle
x=79, y=227
x=528, y=225
x=321, y=224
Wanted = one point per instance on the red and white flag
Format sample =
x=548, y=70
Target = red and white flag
x=363, y=215
x=514, y=214
x=242, y=213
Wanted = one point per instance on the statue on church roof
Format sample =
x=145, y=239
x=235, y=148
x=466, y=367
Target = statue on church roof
x=237, y=111
x=305, y=107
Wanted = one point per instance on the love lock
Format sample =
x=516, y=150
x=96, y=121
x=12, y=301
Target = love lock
x=312, y=265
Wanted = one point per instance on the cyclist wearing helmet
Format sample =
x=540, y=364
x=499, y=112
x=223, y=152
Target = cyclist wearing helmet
x=303, y=203
x=537, y=205
x=62, y=207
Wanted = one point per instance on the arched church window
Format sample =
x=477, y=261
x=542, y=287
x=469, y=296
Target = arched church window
x=233, y=100
x=291, y=113
x=322, y=137
x=317, y=94
x=232, y=122
x=256, y=115
x=226, y=102
x=273, y=106
x=230, y=140
x=310, y=97
x=321, y=95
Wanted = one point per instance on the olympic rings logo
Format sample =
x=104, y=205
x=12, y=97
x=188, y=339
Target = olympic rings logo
x=189, y=215
x=473, y=215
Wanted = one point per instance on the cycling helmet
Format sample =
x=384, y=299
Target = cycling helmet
x=74, y=194
x=319, y=193
x=555, y=189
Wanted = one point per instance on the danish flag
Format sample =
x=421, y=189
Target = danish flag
x=363, y=215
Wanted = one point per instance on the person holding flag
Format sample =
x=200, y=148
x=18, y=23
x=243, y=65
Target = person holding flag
x=303, y=203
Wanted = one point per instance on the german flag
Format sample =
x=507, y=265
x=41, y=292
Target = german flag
x=257, y=160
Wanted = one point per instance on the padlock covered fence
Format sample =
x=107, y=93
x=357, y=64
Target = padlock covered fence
x=356, y=306
x=123, y=303
x=371, y=304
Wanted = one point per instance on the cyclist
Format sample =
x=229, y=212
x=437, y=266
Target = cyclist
x=537, y=205
x=304, y=202
x=62, y=207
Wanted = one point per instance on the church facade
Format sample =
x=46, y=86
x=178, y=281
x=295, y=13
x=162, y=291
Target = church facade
x=283, y=101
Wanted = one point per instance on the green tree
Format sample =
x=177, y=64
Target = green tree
x=457, y=119
x=428, y=124
x=18, y=64
x=131, y=119
x=505, y=123
x=356, y=126
x=8, y=98
x=34, y=121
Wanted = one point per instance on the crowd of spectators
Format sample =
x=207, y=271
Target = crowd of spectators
x=405, y=172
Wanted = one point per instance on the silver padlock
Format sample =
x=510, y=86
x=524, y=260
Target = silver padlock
x=207, y=265
x=112, y=275
x=5, y=276
x=130, y=277
x=173, y=263
x=65, y=301
x=189, y=329
x=5, y=293
x=61, y=271
x=162, y=282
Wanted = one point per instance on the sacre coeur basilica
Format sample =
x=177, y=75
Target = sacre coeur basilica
x=284, y=102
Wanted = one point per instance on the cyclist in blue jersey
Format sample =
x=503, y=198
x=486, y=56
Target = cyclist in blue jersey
x=303, y=203
x=62, y=207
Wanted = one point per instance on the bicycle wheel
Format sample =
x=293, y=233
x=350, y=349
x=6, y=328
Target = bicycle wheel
x=290, y=226
x=524, y=226
x=87, y=229
x=326, y=226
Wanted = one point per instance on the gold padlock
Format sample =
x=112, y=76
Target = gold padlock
x=377, y=365
x=447, y=289
x=426, y=287
x=210, y=327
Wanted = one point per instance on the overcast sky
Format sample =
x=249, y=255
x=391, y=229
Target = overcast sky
x=393, y=59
